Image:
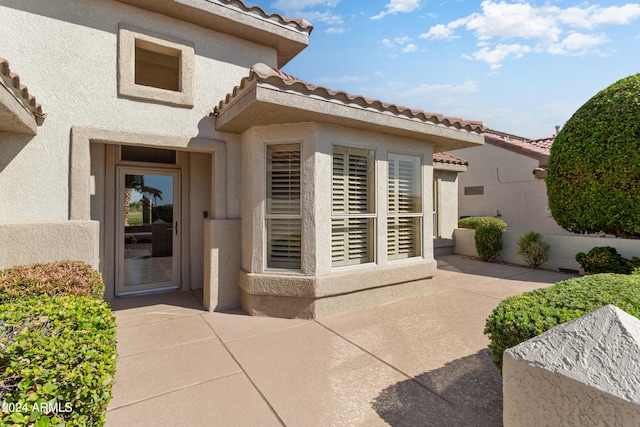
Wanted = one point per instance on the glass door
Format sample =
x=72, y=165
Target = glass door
x=148, y=256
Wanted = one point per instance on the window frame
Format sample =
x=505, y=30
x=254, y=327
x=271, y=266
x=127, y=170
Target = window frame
x=371, y=215
x=418, y=213
x=271, y=216
x=127, y=87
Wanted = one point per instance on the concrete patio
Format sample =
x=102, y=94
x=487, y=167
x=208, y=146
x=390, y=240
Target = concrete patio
x=421, y=361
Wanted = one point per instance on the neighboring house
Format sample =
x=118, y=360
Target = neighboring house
x=170, y=153
x=506, y=178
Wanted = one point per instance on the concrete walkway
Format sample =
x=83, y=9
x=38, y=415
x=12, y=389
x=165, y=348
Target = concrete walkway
x=422, y=361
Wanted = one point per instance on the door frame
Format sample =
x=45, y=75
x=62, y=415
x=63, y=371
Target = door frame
x=176, y=173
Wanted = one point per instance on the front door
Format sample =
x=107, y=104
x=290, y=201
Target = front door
x=148, y=251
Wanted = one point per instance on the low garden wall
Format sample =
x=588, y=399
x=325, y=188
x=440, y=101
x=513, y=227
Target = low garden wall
x=562, y=253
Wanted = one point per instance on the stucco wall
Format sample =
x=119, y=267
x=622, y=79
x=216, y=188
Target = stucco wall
x=562, y=251
x=510, y=188
x=582, y=373
x=24, y=243
x=66, y=52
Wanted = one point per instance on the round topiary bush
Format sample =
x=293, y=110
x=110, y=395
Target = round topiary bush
x=488, y=239
x=533, y=249
x=593, y=176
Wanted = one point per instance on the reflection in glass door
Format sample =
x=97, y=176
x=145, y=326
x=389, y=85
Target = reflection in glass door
x=148, y=252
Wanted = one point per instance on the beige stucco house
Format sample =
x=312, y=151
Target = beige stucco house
x=506, y=178
x=166, y=149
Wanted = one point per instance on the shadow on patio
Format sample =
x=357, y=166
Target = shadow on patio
x=466, y=391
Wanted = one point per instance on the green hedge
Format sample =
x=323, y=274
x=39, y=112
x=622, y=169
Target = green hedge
x=478, y=221
x=520, y=318
x=53, y=278
x=58, y=361
x=57, y=346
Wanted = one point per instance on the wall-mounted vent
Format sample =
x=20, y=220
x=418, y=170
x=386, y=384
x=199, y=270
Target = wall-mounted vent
x=474, y=191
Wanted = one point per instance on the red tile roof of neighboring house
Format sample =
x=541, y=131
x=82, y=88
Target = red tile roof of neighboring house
x=12, y=81
x=264, y=72
x=448, y=158
x=536, y=148
x=302, y=24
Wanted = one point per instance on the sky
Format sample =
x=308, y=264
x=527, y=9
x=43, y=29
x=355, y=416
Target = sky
x=521, y=67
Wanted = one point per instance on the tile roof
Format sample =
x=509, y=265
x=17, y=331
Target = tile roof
x=448, y=158
x=301, y=24
x=12, y=81
x=265, y=73
x=536, y=148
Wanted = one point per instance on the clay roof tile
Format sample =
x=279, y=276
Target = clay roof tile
x=12, y=81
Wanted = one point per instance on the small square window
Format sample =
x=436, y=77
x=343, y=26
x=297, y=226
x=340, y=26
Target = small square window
x=155, y=67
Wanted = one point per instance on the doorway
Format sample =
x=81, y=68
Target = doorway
x=147, y=230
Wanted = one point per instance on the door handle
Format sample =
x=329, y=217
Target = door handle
x=176, y=228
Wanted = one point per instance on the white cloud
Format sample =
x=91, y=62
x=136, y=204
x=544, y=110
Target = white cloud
x=410, y=48
x=438, y=32
x=402, y=41
x=509, y=20
x=530, y=28
x=386, y=43
x=494, y=57
x=398, y=6
x=594, y=16
x=578, y=44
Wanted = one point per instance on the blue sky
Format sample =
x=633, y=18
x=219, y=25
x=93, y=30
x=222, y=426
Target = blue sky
x=522, y=67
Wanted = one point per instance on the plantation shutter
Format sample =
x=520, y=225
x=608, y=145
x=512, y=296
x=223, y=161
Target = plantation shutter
x=284, y=222
x=405, y=207
x=352, y=206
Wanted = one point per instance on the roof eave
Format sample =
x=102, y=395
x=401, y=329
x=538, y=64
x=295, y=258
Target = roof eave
x=542, y=158
x=258, y=103
x=449, y=167
x=14, y=117
x=287, y=37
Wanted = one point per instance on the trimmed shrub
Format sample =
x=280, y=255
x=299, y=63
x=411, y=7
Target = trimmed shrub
x=520, y=318
x=57, y=362
x=54, y=278
x=488, y=240
x=477, y=221
x=604, y=259
x=533, y=249
x=593, y=176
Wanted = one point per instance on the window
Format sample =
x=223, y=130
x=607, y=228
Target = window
x=474, y=191
x=436, y=207
x=353, y=207
x=155, y=67
x=283, y=206
x=404, y=222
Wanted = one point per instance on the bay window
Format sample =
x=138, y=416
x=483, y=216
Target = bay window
x=283, y=218
x=353, y=206
x=404, y=220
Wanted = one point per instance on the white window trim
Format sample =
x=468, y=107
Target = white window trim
x=267, y=216
x=374, y=215
x=420, y=214
x=127, y=36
